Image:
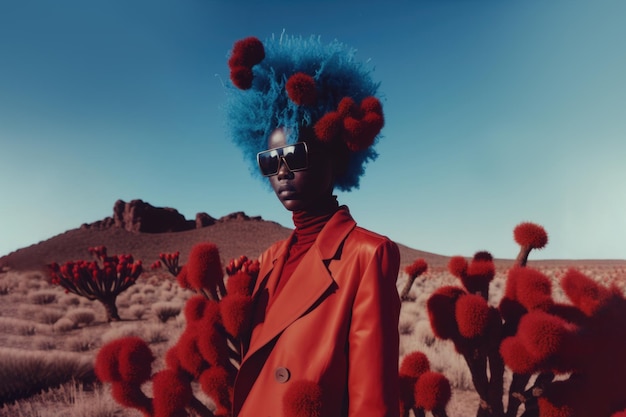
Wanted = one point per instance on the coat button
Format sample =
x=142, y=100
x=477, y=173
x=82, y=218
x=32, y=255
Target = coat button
x=282, y=375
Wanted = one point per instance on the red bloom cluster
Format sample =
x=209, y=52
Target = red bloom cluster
x=529, y=287
x=204, y=271
x=463, y=316
x=170, y=260
x=303, y=399
x=531, y=235
x=301, y=89
x=100, y=280
x=356, y=125
x=243, y=264
x=89, y=278
x=475, y=275
x=441, y=306
x=472, y=315
x=246, y=53
x=417, y=268
x=588, y=345
x=420, y=388
x=206, y=352
x=126, y=363
x=100, y=252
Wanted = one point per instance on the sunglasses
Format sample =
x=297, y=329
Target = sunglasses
x=294, y=156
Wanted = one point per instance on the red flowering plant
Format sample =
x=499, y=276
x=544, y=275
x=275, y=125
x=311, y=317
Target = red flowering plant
x=206, y=354
x=462, y=315
x=102, y=279
x=170, y=260
x=421, y=389
x=417, y=268
x=536, y=336
x=526, y=289
x=583, y=341
x=529, y=236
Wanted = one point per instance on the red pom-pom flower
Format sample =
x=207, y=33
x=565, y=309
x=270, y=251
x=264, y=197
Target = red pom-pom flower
x=432, y=391
x=301, y=89
x=303, y=399
x=172, y=393
x=357, y=125
x=414, y=365
x=417, y=268
x=530, y=235
x=472, y=315
x=584, y=292
x=533, y=289
x=204, y=269
x=246, y=53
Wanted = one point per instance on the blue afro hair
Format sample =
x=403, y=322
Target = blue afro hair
x=253, y=113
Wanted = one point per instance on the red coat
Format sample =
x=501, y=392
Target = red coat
x=334, y=323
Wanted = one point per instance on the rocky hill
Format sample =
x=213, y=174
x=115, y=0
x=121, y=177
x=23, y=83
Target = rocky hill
x=144, y=231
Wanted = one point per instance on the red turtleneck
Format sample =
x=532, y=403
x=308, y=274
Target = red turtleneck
x=308, y=225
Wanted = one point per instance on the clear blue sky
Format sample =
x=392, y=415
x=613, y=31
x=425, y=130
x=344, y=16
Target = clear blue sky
x=497, y=112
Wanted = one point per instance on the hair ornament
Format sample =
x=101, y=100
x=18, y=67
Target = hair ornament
x=301, y=83
x=301, y=89
x=357, y=126
x=247, y=53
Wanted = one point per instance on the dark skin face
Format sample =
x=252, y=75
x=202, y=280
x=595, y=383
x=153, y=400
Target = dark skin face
x=301, y=189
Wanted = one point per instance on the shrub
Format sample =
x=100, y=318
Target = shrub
x=44, y=315
x=137, y=311
x=79, y=343
x=535, y=334
x=136, y=299
x=81, y=316
x=20, y=327
x=165, y=310
x=69, y=300
x=64, y=325
x=583, y=341
x=24, y=373
x=155, y=333
x=207, y=350
x=44, y=343
x=121, y=331
x=103, y=279
x=463, y=316
x=43, y=297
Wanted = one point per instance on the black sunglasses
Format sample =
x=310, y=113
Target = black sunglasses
x=294, y=156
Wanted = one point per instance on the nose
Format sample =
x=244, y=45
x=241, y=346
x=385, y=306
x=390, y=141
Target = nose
x=283, y=169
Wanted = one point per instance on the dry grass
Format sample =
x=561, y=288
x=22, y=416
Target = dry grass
x=23, y=373
x=80, y=328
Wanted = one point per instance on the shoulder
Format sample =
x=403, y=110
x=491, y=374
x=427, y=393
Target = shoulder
x=273, y=251
x=369, y=241
x=368, y=248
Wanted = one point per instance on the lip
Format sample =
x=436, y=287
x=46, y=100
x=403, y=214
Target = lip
x=286, y=191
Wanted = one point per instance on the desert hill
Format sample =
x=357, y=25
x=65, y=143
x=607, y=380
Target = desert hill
x=235, y=234
x=145, y=231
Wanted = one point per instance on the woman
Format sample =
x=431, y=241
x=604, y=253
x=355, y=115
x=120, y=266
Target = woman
x=325, y=336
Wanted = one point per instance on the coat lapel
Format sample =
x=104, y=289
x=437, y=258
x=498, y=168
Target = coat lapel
x=310, y=280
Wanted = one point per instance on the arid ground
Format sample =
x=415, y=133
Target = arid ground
x=50, y=338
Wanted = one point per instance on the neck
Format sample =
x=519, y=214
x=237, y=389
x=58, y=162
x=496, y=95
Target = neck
x=318, y=213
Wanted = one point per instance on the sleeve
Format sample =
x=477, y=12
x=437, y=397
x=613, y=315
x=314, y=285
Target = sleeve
x=374, y=339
